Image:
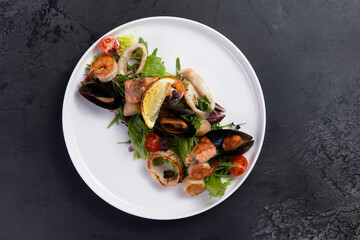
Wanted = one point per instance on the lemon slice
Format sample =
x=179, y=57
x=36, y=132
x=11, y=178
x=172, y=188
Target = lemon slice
x=152, y=100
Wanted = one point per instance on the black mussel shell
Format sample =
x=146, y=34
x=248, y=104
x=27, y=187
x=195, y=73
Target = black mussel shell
x=102, y=94
x=176, y=126
x=218, y=136
x=169, y=110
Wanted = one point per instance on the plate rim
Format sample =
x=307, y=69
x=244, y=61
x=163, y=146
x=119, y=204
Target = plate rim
x=91, y=181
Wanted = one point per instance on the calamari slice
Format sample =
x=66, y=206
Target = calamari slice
x=192, y=186
x=162, y=173
x=198, y=84
x=127, y=55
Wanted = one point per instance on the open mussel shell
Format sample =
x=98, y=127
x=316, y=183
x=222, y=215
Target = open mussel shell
x=217, y=137
x=170, y=110
x=102, y=94
x=175, y=125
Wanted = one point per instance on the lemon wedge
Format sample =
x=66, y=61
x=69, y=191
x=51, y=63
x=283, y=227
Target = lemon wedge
x=152, y=100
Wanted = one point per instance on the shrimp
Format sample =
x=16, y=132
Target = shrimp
x=176, y=92
x=104, y=68
x=202, y=170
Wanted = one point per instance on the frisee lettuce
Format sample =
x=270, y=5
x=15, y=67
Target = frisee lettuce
x=215, y=186
x=223, y=169
x=126, y=41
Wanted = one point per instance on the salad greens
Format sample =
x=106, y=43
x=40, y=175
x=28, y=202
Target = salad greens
x=204, y=104
x=137, y=129
x=215, y=186
x=154, y=67
x=137, y=133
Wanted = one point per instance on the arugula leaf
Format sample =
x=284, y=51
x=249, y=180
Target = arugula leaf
x=178, y=67
x=118, y=116
x=141, y=40
x=154, y=52
x=215, y=186
x=215, y=126
x=138, y=52
x=137, y=132
x=204, y=104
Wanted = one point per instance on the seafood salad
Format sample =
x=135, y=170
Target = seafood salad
x=173, y=120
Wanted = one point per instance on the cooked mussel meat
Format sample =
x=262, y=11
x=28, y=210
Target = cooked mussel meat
x=230, y=142
x=102, y=94
x=175, y=125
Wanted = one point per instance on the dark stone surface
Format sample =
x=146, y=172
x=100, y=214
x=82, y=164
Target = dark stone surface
x=306, y=182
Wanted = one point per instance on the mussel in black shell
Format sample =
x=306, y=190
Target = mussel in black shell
x=230, y=142
x=175, y=125
x=102, y=94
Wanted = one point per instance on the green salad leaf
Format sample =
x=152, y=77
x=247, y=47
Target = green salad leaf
x=182, y=146
x=154, y=67
x=215, y=186
x=137, y=133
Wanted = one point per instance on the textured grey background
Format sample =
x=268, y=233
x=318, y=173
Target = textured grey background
x=305, y=184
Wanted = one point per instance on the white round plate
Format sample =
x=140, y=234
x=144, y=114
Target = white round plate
x=109, y=169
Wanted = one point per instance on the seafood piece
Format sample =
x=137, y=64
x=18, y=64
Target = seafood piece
x=176, y=92
x=161, y=171
x=192, y=186
x=198, y=171
x=131, y=109
x=232, y=142
x=202, y=152
x=104, y=68
x=175, y=125
x=127, y=55
x=202, y=89
x=135, y=88
x=205, y=127
x=191, y=98
x=102, y=94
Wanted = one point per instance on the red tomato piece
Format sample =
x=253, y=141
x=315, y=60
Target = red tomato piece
x=152, y=142
x=110, y=45
x=240, y=163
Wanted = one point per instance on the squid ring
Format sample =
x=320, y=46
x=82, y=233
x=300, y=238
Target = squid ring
x=127, y=55
x=158, y=171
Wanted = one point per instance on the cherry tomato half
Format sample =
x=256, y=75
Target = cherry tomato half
x=110, y=45
x=240, y=163
x=152, y=142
